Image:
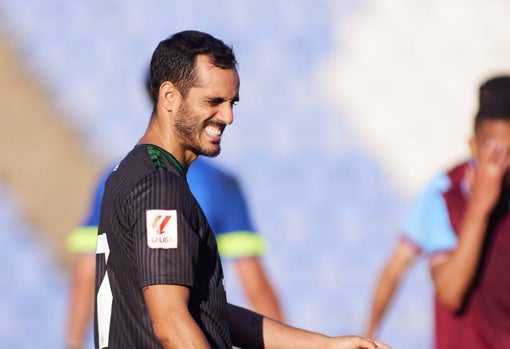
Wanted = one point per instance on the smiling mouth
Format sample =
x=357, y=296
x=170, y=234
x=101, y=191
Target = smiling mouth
x=213, y=131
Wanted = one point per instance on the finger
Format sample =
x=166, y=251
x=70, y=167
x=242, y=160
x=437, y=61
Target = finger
x=493, y=157
x=470, y=176
x=381, y=345
x=370, y=344
x=499, y=158
x=503, y=157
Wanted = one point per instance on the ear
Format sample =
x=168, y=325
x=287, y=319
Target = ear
x=472, y=145
x=168, y=96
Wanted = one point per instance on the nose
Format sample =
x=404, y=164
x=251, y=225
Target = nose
x=226, y=113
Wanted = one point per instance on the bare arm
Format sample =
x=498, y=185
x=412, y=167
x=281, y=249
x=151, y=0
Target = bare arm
x=387, y=284
x=171, y=320
x=252, y=330
x=257, y=287
x=81, y=301
x=453, y=276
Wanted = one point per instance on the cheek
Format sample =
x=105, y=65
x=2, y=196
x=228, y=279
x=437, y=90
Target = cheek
x=199, y=114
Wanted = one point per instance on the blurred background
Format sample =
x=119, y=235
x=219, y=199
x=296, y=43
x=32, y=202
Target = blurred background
x=347, y=108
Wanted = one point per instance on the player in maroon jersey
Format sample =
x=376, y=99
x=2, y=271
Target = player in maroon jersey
x=461, y=222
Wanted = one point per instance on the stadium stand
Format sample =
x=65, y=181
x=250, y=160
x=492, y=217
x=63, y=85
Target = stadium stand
x=316, y=196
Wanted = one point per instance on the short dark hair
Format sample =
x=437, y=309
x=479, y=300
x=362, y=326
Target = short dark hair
x=494, y=100
x=174, y=58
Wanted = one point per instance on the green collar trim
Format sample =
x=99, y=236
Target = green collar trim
x=154, y=152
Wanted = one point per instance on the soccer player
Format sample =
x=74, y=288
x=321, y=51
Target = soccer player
x=222, y=200
x=461, y=222
x=159, y=280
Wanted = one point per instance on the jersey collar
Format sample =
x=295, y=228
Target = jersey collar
x=169, y=156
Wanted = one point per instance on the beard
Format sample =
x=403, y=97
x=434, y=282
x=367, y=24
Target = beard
x=189, y=130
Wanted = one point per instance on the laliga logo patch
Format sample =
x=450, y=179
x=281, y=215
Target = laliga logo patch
x=162, y=228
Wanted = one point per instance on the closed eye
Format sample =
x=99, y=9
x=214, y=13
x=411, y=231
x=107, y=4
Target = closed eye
x=216, y=101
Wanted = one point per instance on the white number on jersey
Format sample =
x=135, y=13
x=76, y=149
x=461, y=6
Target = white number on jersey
x=104, y=296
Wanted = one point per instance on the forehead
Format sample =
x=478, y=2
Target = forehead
x=494, y=129
x=211, y=79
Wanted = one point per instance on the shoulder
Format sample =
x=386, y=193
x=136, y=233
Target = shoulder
x=140, y=173
x=443, y=181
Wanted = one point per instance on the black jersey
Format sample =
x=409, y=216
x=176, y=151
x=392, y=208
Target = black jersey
x=152, y=231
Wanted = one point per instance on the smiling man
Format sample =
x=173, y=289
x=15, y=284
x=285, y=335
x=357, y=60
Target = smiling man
x=159, y=279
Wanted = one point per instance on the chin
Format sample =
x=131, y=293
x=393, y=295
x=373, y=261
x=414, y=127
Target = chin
x=210, y=153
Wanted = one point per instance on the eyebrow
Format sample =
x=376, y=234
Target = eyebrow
x=219, y=100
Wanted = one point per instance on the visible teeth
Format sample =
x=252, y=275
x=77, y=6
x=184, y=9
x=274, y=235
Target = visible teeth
x=212, y=131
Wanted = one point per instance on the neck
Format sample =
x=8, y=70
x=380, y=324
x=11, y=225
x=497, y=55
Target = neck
x=184, y=157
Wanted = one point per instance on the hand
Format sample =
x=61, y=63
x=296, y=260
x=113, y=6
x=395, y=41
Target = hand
x=355, y=342
x=486, y=177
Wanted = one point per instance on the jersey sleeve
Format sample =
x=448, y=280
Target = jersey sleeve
x=166, y=240
x=234, y=232
x=427, y=224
